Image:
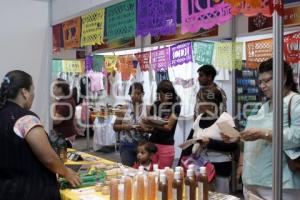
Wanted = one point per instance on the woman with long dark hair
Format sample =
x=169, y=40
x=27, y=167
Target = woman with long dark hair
x=28, y=162
x=167, y=107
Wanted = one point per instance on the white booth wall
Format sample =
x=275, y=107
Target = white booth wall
x=25, y=45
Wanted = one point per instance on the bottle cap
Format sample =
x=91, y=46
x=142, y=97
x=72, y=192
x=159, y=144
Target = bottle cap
x=191, y=167
x=141, y=168
x=125, y=172
x=178, y=169
x=140, y=172
x=202, y=170
x=162, y=178
x=177, y=175
x=190, y=173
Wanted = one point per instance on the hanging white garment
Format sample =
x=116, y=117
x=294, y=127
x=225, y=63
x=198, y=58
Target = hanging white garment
x=104, y=135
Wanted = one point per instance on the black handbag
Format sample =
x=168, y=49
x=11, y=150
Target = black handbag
x=294, y=164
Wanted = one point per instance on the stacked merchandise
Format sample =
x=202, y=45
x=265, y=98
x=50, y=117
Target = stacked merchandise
x=248, y=95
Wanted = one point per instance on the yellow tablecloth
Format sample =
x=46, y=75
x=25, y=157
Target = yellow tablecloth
x=75, y=194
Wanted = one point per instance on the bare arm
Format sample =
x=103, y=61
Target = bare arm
x=38, y=142
x=119, y=125
x=165, y=128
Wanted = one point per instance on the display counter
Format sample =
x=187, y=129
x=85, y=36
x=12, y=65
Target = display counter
x=113, y=170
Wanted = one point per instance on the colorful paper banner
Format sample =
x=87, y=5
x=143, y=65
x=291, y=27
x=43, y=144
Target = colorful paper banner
x=292, y=47
x=144, y=60
x=92, y=31
x=160, y=59
x=88, y=63
x=203, y=52
x=156, y=17
x=229, y=55
x=110, y=63
x=57, y=66
x=194, y=16
x=181, y=53
x=251, y=8
x=57, y=38
x=257, y=52
x=71, y=31
x=121, y=20
x=72, y=66
x=259, y=22
x=98, y=63
x=126, y=67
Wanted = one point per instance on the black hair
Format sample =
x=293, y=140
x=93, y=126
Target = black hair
x=208, y=70
x=149, y=146
x=267, y=66
x=65, y=87
x=166, y=86
x=136, y=86
x=211, y=95
x=12, y=83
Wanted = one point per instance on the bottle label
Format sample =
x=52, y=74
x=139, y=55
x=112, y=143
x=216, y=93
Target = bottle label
x=187, y=192
x=174, y=194
x=159, y=195
x=200, y=191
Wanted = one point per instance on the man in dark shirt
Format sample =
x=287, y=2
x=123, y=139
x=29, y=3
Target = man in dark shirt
x=207, y=74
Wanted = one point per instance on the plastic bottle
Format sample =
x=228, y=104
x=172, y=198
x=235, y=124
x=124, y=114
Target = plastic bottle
x=203, y=184
x=121, y=186
x=170, y=176
x=140, y=186
x=177, y=186
x=127, y=188
x=114, y=189
x=162, y=193
x=191, y=167
x=190, y=185
x=152, y=186
x=155, y=167
x=181, y=171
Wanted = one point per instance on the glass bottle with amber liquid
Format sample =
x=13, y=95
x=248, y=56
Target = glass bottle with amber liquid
x=190, y=185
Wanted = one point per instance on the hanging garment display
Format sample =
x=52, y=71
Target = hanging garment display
x=96, y=81
x=104, y=134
